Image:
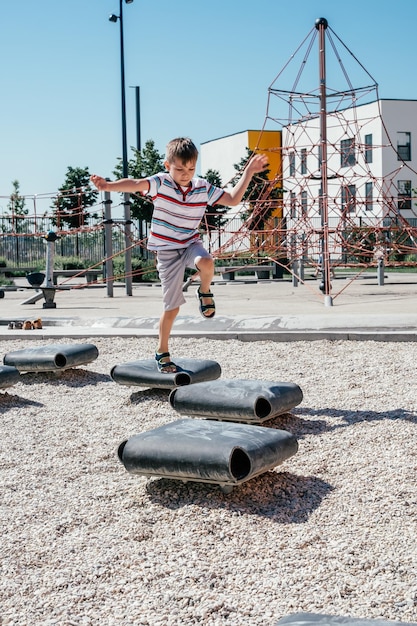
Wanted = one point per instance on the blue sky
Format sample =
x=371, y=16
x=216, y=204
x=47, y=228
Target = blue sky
x=203, y=68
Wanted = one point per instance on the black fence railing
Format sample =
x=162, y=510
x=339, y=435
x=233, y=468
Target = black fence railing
x=20, y=249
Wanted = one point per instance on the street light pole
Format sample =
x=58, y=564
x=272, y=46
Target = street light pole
x=122, y=75
x=126, y=199
x=138, y=137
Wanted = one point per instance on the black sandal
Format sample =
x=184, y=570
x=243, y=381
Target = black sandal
x=165, y=368
x=205, y=307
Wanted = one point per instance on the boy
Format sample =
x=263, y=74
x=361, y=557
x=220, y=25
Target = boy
x=180, y=200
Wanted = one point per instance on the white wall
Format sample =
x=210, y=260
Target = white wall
x=222, y=154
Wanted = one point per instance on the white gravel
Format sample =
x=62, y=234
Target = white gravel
x=332, y=530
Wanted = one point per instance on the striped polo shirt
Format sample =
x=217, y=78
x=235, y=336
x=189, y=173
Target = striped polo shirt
x=178, y=211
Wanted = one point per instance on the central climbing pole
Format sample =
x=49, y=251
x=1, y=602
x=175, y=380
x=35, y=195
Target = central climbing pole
x=321, y=25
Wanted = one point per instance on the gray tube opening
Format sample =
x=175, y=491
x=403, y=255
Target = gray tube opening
x=182, y=379
x=171, y=398
x=60, y=360
x=240, y=464
x=262, y=407
x=120, y=450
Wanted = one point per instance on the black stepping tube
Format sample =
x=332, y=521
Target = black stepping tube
x=207, y=451
x=237, y=400
x=318, y=619
x=52, y=357
x=145, y=373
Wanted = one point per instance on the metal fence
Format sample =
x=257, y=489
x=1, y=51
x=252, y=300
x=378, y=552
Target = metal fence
x=22, y=249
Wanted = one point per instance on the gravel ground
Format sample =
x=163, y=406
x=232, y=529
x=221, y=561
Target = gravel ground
x=332, y=530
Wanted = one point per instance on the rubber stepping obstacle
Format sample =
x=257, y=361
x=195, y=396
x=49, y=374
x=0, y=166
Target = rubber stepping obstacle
x=237, y=400
x=207, y=451
x=318, y=619
x=52, y=357
x=145, y=373
x=8, y=376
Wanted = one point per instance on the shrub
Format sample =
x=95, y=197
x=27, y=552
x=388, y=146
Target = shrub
x=142, y=271
x=69, y=263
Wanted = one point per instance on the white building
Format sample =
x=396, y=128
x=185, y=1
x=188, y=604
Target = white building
x=371, y=173
x=371, y=177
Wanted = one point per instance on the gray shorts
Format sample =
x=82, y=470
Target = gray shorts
x=171, y=265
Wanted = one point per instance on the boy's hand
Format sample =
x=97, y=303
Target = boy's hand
x=258, y=163
x=99, y=182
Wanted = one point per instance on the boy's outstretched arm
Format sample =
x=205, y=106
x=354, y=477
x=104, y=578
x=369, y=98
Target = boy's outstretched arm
x=256, y=164
x=127, y=185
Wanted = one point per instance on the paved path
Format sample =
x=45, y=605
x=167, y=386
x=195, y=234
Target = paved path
x=270, y=310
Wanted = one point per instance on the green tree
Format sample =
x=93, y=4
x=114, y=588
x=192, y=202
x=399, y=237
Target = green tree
x=75, y=195
x=214, y=219
x=262, y=195
x=146, y=162
x=16, y=208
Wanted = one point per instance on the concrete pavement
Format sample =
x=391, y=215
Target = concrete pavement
x=248, y=310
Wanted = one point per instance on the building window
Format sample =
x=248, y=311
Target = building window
x=292, y=163
x=404, y=195
x=303, y=160
x=347, y=152
x=404, y=146
x=348, y=199
x=293, y=208
x=368, y=196
x=368, y=148
x=304, y=202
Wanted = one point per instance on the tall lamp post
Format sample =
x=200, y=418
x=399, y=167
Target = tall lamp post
x=138, y=137
x=126, y=202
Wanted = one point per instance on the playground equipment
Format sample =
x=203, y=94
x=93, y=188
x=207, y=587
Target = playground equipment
x=207, y=451
x=36, y=279
x=51, y=358
x=317, y=619
x=211, y=450
x=251, y=401
x=145, y=373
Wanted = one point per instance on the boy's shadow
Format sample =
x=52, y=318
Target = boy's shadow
x=301, y=426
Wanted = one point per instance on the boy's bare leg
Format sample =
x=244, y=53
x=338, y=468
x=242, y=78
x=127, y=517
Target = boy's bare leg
x=205, y=266
x=166, y=323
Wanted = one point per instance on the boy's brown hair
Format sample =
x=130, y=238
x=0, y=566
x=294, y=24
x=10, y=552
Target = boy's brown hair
x=181, y=148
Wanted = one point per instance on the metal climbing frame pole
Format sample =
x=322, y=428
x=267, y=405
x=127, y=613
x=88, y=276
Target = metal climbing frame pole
x=321, y=25
x=128, y=244
x=108, y=244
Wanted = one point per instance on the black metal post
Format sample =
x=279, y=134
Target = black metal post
x=139, y=148
x=108, y=244
x=138, y=134
x=125, y=169
x=122, y=75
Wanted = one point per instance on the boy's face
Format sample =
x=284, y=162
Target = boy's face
x=182, y=173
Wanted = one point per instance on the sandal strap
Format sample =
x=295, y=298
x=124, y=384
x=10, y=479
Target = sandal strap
x=167, y=364
x=205, y=295
x=162, y=366
x=204, y=307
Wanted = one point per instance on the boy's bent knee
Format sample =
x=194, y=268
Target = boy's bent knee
x=204, y=263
